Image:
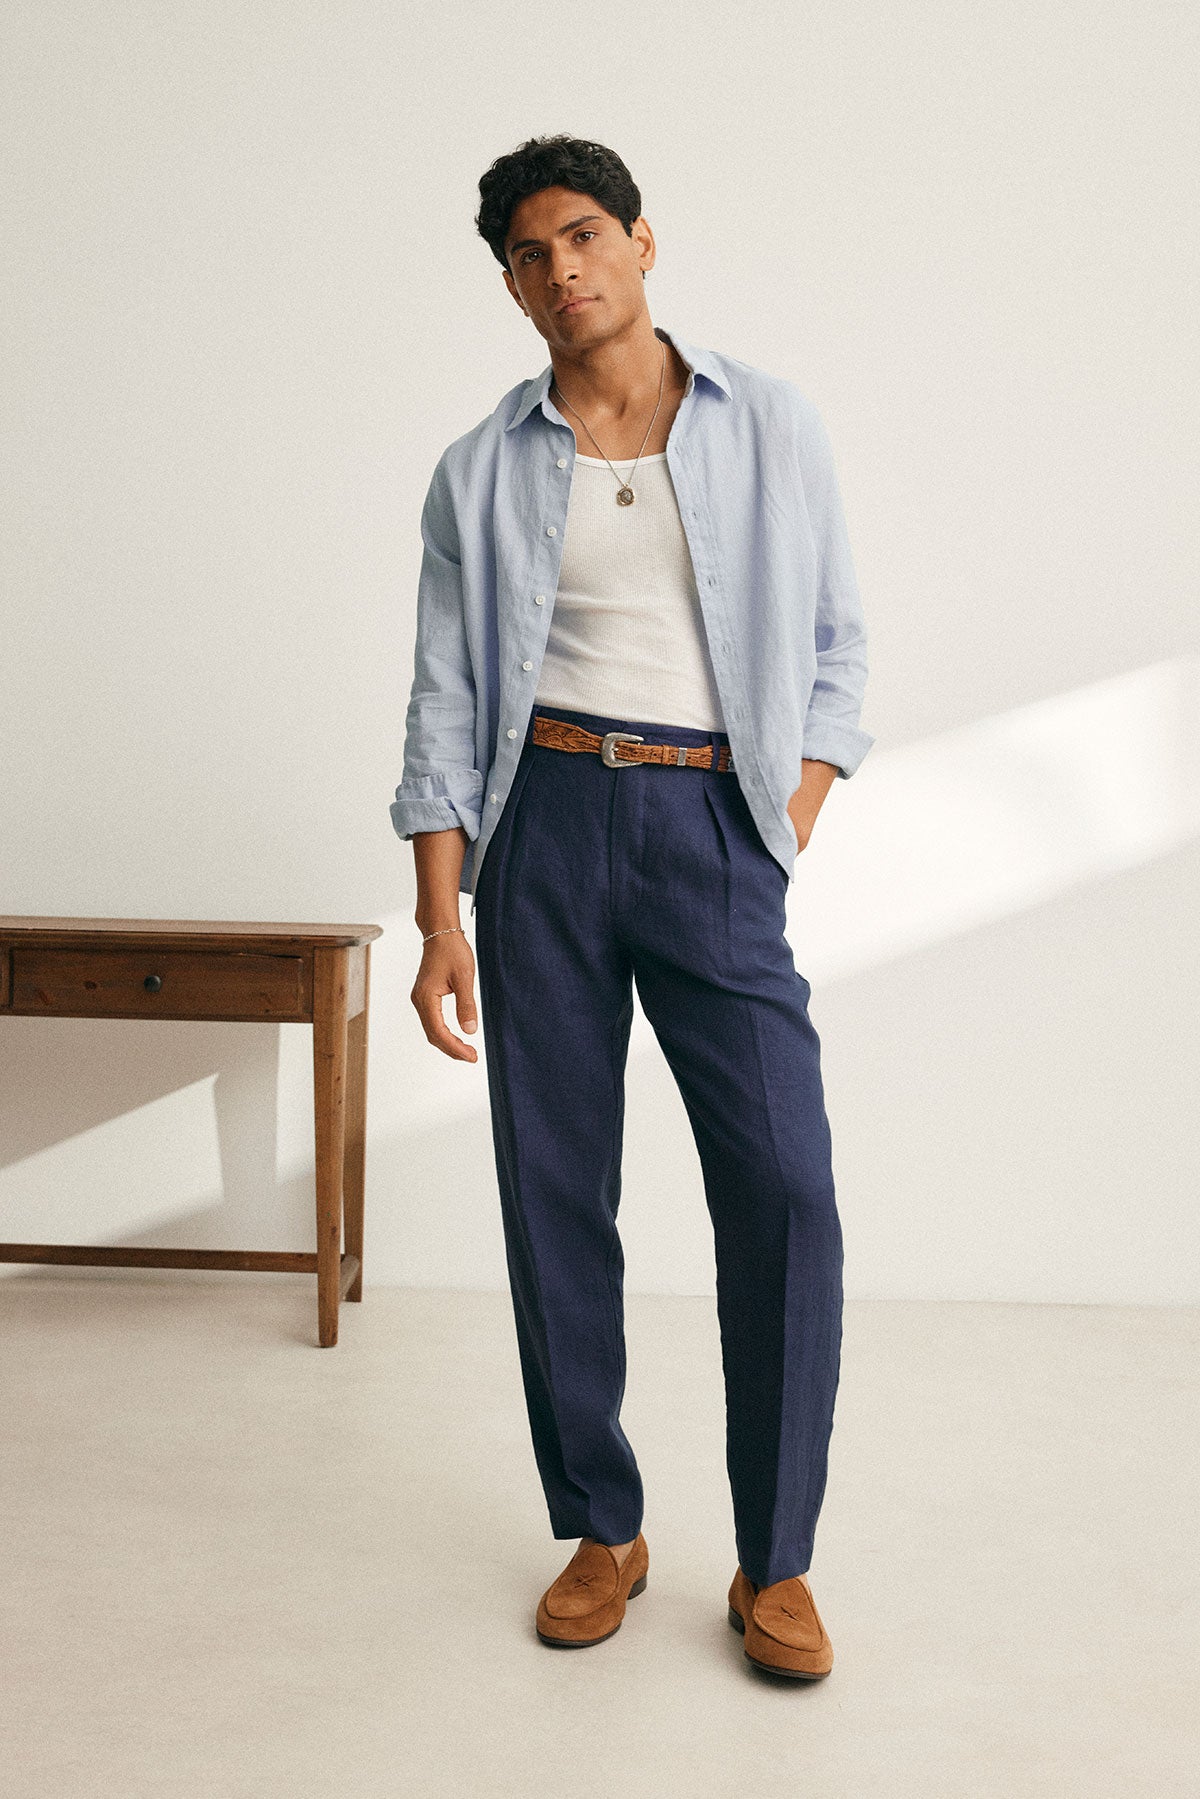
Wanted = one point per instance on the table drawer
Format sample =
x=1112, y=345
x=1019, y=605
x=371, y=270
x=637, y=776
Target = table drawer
x=150, y=983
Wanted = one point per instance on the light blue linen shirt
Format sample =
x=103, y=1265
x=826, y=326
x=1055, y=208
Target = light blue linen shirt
x=758, y=500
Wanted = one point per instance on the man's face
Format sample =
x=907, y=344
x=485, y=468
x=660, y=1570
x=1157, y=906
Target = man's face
x=563, y=246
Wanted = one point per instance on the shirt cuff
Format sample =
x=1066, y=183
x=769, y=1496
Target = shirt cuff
x=439, y=803
x=832, y=740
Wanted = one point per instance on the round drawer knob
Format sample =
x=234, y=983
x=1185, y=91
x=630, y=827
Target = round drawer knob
x=152, y=983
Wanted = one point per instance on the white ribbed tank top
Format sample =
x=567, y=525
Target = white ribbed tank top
x=626, y=633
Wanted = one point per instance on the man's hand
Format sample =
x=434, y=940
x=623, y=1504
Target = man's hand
x=447, y=966
x=815, y=781
x=447, y=963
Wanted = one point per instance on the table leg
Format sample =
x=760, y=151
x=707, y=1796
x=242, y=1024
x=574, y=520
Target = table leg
x=331, y=980
x=354, y=1165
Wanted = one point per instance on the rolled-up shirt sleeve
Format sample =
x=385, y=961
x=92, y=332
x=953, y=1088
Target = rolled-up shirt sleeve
x=831, y=729
x=440, y=787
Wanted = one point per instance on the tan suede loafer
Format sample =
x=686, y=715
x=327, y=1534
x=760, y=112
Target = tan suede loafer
x=782, y=1627
x=587, y=1601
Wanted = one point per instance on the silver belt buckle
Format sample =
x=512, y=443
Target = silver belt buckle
x=606, y=747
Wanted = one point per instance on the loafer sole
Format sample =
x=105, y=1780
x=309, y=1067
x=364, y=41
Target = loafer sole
x=586, y=1642
x=739, y=1623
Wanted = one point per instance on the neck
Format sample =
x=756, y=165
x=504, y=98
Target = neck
x=618, y=378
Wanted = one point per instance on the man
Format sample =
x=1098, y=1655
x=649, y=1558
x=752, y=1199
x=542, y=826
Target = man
x=639, y=667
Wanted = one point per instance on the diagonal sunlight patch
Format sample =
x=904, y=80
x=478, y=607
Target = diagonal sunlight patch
x=131, y=1175
x=950, y=833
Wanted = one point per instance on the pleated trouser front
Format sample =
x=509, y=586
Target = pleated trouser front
x=597, y=878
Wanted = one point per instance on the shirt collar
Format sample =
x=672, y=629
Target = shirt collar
x=700, y=362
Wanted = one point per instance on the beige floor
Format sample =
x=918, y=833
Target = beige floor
x=239, y=1565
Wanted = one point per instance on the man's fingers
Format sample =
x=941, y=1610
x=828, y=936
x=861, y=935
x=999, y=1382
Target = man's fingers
x=428, y=1001
x=464, y=999
x=441, y=1036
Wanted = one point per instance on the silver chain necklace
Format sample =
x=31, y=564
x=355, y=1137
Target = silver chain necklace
x=625, y=493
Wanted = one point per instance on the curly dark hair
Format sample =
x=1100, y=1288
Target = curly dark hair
x=560, y=161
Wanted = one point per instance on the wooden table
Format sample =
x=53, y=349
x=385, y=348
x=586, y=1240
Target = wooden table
x=316, y=974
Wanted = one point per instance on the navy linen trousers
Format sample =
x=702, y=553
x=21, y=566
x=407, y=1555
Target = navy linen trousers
x=596, y=878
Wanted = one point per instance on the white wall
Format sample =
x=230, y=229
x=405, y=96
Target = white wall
x=246, y=308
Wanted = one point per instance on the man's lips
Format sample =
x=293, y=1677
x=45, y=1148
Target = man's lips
x=576, y=303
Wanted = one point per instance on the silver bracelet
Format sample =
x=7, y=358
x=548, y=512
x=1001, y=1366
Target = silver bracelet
x=444, y=933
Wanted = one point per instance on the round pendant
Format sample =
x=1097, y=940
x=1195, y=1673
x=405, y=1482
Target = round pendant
x=625, y=496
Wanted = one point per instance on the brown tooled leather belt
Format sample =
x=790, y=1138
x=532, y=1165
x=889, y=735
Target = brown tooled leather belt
x=619, y=747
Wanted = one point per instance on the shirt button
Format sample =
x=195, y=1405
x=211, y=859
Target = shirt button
x=510, y=732
x=562, y=462
x=551, y=530
x=527, y=665
x=539, y=599
x=495, y=800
